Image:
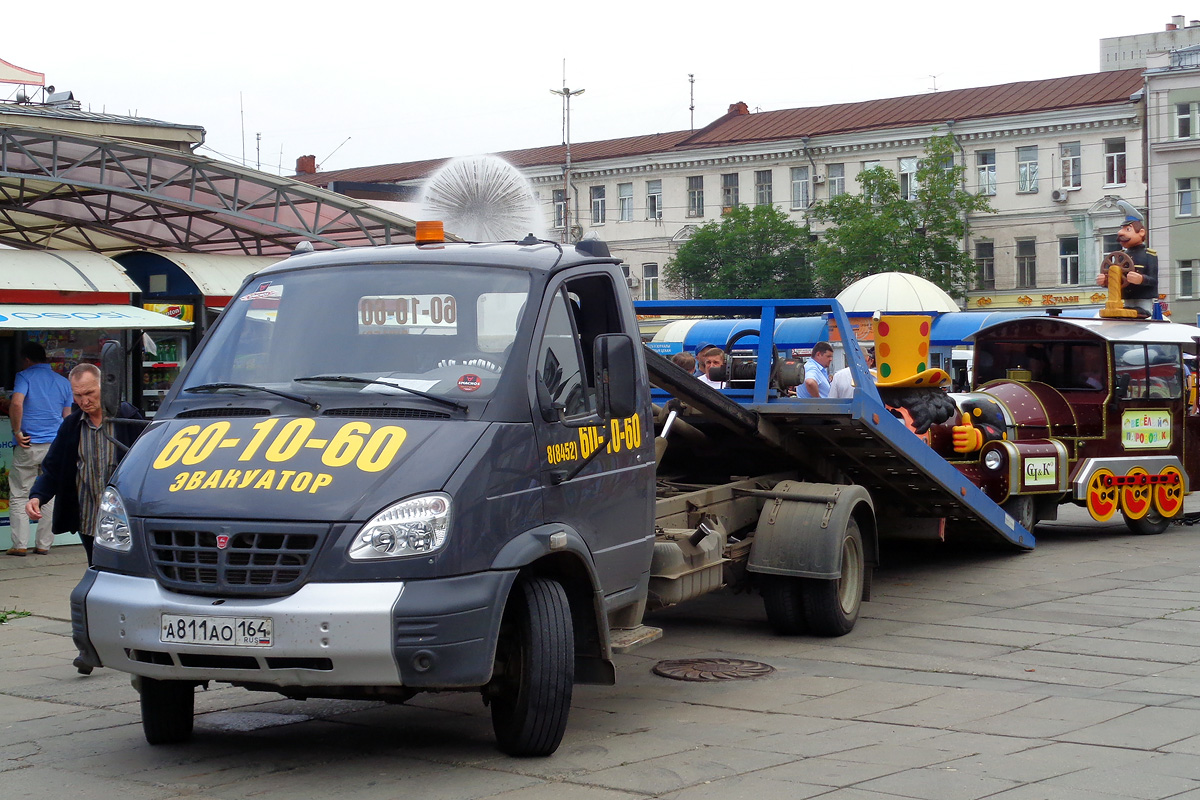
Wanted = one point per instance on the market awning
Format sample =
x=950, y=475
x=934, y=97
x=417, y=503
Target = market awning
x=39, y=317
x=213, y=275
x=62, y=271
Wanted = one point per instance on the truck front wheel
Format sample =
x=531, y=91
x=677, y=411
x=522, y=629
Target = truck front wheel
x=831, y=607
x=535, y=670
x=168, y=710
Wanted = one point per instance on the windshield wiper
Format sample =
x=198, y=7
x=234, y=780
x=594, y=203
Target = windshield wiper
x=446, y=401
x=216, y=387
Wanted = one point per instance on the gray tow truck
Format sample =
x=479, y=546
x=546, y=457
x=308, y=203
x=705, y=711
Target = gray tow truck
x=440, y=467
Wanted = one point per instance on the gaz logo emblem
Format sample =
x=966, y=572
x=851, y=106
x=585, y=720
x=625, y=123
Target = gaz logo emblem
x=222, y=541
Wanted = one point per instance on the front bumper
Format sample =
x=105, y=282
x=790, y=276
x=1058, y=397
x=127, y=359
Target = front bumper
x=421, y=634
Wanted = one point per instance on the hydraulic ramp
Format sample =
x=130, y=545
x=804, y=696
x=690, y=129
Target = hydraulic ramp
x=857, y=438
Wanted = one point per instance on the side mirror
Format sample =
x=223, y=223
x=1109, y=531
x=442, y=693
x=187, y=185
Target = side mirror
x=112, y=369
x=615, y=375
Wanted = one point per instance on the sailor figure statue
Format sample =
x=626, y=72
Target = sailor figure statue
x=1130, y=274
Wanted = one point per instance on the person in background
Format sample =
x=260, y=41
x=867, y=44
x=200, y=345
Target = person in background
x=685, y=361
x=41, y=398
x=79, y=463
x=709, y=358
x=816, y=371
x=842, y=383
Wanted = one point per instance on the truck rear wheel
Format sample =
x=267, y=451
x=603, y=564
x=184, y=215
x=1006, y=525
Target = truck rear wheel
x=783, y=597
x=831, y=607
x=168, y=710
x=535, y=670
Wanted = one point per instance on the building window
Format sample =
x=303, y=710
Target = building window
x=1183, y=121
x=649, y=281
x=654, y=199
x=560, y=208
x=837, y=180
x=1070, y=165
x=1114, y=162
x=801, y=188
x=866, y=165
x=1026, y=264
x=695, y=196
x=597, y=205
x=1187, y=196
x=1187, y=278
x=762, y=187
x=1027, y=169
x=1068, y=261
x=729, y=192
x=985, y=162
x=908, y=178
x=1109, y=243
x=985, y=260
x=625, y=202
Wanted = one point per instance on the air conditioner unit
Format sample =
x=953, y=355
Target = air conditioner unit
x=633, y=282
x=1060, y=195
x=818, y=179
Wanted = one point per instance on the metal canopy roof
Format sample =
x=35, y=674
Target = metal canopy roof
x=74, y=192
x=215, y=275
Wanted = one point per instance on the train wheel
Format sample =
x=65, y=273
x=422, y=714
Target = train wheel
x=1135, y=495
x=1151, y=523
x=1021, y=508
x=1168, y=495
x=1102, y=495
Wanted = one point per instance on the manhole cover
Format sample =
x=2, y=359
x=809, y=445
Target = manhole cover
x=712, y=669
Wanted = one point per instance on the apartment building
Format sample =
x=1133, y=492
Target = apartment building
x=1052, y=155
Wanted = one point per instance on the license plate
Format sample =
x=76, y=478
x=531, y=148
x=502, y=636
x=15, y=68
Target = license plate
x=229, y=631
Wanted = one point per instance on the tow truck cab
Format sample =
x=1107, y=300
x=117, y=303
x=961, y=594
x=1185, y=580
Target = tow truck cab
x=365, y=485
x=1090, y=411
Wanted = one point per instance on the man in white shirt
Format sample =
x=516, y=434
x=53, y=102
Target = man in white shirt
x=842, y=384
x=709, y=357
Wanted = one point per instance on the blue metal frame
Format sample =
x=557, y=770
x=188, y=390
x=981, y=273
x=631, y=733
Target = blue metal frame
x=866, y=406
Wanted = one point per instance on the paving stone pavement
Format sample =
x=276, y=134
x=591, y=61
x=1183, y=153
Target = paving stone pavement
x=1071, y=672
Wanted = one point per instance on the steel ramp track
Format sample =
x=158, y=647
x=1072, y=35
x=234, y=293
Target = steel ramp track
x=860, y=438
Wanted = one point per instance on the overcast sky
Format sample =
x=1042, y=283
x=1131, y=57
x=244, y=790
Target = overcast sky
x=368, y=82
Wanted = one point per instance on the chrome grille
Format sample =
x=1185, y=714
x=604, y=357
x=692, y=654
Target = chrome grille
x=252, y=562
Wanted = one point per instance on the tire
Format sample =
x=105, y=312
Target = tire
x=535, y=670
x=1022, y=509
x=831, y=607
x=783, y=597
x=1152, y=524
x=168, y=710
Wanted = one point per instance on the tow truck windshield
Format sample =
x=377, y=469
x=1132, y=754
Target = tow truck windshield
x=383, y=329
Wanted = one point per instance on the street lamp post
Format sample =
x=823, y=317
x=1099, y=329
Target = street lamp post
x=566, y=94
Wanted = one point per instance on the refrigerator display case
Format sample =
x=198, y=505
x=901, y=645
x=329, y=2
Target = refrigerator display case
x=160, y=367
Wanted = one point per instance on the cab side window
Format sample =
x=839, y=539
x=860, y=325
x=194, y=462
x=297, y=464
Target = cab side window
x=560, y=375
x=582, y=309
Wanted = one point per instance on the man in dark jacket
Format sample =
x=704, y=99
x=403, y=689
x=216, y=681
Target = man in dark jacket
x=1142, y=288
x=81, y=459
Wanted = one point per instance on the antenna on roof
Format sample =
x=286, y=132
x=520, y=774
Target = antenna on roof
x=692, y=100
x=934, y=79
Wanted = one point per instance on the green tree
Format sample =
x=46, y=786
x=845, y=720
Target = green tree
x=752, y=253
x=880, y=230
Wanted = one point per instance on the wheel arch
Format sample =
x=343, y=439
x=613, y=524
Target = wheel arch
x=559, y=553
x=820, y=512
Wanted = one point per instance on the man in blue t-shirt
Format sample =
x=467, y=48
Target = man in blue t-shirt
x=41, y=398
x=816, y=371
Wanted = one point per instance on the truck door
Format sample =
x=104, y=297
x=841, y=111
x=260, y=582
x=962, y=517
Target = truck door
x=610, y=502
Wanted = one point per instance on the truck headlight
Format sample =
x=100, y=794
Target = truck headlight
x=413, y=527
x=112, y=523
